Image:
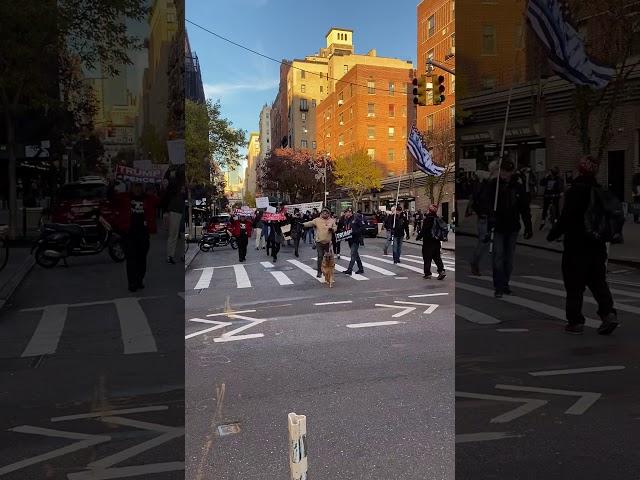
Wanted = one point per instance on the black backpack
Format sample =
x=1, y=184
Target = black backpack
x=604, y=216
x=440, y=230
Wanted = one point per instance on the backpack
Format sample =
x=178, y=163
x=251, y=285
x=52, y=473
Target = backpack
x=440, y=230
x=604, y=216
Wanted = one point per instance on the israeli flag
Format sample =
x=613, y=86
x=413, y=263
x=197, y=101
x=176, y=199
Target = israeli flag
x=421, y=153
x=567, y=54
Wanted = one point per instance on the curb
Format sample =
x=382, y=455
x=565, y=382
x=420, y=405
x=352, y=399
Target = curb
x=7, y=290
x=188, y=259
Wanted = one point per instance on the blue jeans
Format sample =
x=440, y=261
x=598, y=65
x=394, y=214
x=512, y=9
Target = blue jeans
x=388, y=244
x=397, y=247
x=355, y=256
x=481, y=247
x=504, y=248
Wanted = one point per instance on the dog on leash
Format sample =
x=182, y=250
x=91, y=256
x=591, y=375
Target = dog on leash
x=328, y=268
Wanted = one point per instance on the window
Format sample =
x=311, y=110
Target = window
x=453, y=39
x=372, y=153
x=321, y=89
x=341, y=96
x=371, y=133
x=346, y=69
x=391, y=154
x=429, y=123
x=351, y=90
x=518, y=39
x=313, y=145
x=392, y=110
x=392, y=88
x=304, y=116
x=303, y=88
x=404, y=110
x=341, y=118
x=488, y=83
x=303, y=104
x=350, y=113
x=341, y=140
x=431, y=23
x=488, y=40
x=303, y=143
x=453, y=115
x=392, y=132
x=302, y=74
x=452, y=83
x=351, y=134
x=430, y=55
x=371, y=110
x=404, y=132
x=371, y=87
x=313, y=102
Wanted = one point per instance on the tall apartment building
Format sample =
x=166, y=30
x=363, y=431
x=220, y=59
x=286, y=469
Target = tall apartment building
x=253, y=154
x=280, y=110
x=437, y=40
x=369, y=108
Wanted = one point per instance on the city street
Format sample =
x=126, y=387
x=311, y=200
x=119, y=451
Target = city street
x=532, y=401
x=369, y=362
x=91, y=375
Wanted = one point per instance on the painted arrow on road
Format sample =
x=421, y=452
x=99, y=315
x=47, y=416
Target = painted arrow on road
x=431, y=306
x=529, y=405
x=404, y=311
x=582, y=405
x=408, y=309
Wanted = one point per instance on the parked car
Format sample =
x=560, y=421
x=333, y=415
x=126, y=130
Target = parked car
x=371, y=225
x=77, y=202
x=218, y=222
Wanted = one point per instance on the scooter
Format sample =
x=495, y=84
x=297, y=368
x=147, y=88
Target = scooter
x=217, y=239
x=58, y=241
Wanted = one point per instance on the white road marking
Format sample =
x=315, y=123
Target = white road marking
x=562, y=294
x=109, y=413
x=404, y=311
x=530, y=404
x=555, y=281
x=205, y=278
x=242, y=279
x=475, y=316
x=126, y=472
x=375, y=268
x=136, y=334
x=508, y=330
x=85, y=442
x=571, y=371
x=431, y=307
x=428, y=295
x=450, y=265
x=355, y=276
x=586, y=398
x=372, y=324
x=307, y=269
x=483, y=436
x=402, y=278
x=334, y=303
x=523, y=302
x=224, y=314
x=47, y=335
x=390, y=262
x=218, y=326
x=231, y=336
x=281, y=277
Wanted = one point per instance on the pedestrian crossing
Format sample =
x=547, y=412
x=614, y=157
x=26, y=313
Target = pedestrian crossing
x=291, y=272
x=534, y=297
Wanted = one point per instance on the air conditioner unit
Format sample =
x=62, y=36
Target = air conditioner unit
x=341, y=144
x=341, y=123
x=328, y=117
x=371, y=115
x=340, y=102
x=451, y=52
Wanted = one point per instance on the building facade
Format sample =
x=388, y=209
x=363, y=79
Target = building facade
x=193, y=87
x=280, y=110
x=253, y=159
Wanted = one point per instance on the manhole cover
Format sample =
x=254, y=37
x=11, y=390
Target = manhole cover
x=228, y=429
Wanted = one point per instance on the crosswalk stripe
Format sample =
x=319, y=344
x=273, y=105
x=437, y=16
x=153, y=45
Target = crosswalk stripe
x=475, y=316
x=448, y=264
x=281, y=277
x=306, y=268
x=561, y=293
x=523, y=302
x=205, y=278
x=355, y=276
x=401, y=265
x=444, y=259
x=136, y=334
x=375, y=268
x=560, y=282
x=242, y=279
x=47, y=335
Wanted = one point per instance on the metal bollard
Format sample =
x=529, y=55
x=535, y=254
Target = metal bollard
x=298, y=446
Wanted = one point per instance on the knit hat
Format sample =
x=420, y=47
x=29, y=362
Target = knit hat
x=433, y=208
x=588, y=165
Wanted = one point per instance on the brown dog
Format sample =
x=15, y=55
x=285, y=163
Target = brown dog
x=328, y=268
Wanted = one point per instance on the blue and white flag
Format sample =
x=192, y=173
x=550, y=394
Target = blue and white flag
x=567, y=54
x=421, y=153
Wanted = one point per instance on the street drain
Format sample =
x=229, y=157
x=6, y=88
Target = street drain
x=228, y=429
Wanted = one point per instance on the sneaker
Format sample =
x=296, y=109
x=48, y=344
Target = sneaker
x=507, y=291
x=497, y=294
x=359, y=272
x=574, y=329
x=475, y=270
x=141, y=286
x=609, y=324
x=319, y=274
x=338, y=255
x=348, y=272
x=441, y=276
x=428, y=276
x=132, y=288
x=275, y=259
x=386, y=253
x=171, y=260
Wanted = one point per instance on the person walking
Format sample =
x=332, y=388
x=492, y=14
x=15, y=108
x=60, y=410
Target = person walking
x=388, y=227
x=584, y=257
x=174, y=203
x=340, y=228
x=261, y=234
x=417, y=222
x=431, y=246
x=355, y=223
x=137, y=221
x=323, y=227
x=241, y=229
x=397, y=235
x=274, y=240
x=297, y=231
x=553, y=188
x=407, y=221
x=505, y=221
x=481, y=203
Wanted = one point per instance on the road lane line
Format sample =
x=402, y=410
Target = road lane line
x=126, y=472
x=427, y=295
x=224, y=314
x=47, y=335
x=475, y=316
x=205, y=278
x=572, y=371
x=136, y=334
x=390, y=262
x=617, y=291
x=242, y=279
x=306, y=268
x=373, y=324
x=510, y=330
x=109, y=413
x=582, y=405
x=483, y=436
x=207, y=330
x=375, y=268
x=334, y=303
x=523, y=302
x=281, y=277
x=529, y=405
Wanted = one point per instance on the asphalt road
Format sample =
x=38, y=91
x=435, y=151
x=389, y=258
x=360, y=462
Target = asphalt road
x=92, y=376
x=522, y=409
x=264, y=340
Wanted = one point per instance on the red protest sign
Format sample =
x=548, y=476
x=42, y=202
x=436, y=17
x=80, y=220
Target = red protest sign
x=273, y=217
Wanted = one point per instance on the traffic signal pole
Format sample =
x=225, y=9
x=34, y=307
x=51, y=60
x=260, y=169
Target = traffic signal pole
x=432, y=63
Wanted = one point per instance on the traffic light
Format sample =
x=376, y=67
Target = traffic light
x=420, y=90
x=438, y=89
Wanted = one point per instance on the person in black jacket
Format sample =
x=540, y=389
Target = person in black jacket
x=583, y=258
x=505, y=221
x=398, y=233
x=431, y=247
x=355, y=223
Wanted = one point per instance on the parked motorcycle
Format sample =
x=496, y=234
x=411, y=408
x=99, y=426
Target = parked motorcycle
x=59, y=240
x=221, y=238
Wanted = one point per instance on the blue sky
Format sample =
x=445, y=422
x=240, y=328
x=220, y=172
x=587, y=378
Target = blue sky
x=244, y=82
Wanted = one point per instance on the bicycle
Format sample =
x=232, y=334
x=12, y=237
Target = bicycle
x=4, y=246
